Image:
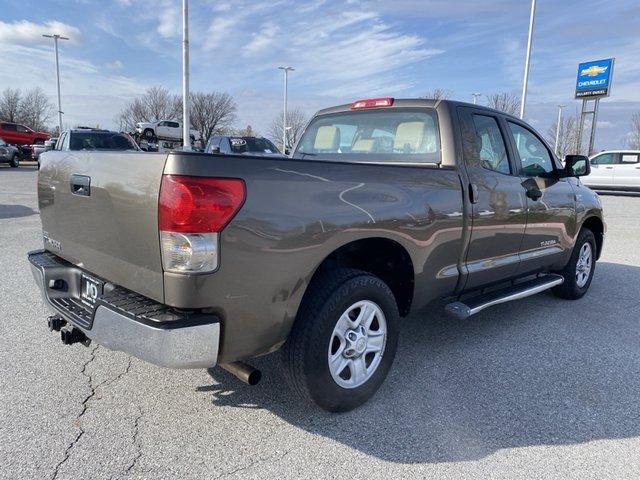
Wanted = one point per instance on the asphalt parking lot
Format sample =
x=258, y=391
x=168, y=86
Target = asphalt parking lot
x=541, y=388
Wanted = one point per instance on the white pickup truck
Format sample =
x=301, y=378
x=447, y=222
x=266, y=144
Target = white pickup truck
x=164, y=129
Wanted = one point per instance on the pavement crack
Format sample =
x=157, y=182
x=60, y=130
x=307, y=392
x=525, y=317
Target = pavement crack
x=136, y=442
x=117, y=377
x=253, y=463
x=67, y=452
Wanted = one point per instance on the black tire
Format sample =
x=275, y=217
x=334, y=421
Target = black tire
x=570, y=289
x=305, y=354
x=149, y=134
x=15, y=161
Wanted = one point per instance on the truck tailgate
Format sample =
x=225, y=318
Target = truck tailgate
x=109, y=228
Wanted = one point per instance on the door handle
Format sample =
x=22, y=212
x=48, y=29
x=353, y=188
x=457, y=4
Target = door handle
x=80, y=185
x=473, y=193
x=609, y=168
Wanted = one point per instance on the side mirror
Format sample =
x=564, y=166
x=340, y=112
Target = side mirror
x=215, y=150
x=576, y=166
x=49, y=146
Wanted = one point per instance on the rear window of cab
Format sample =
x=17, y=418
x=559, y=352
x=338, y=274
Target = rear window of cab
x=378, y=135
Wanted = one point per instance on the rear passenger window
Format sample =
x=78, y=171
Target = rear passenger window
x=489, y=145
x=629, y=158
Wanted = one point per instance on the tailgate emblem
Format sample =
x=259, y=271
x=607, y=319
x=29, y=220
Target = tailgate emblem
x=51, y=242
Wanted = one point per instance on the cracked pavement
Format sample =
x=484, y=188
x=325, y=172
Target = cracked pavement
x=539, y=388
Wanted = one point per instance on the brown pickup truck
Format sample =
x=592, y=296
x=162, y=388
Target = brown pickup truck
x=193, y=260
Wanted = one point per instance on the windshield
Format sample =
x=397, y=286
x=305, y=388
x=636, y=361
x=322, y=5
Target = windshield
x=397, y=135
x=2, y=144
x=100, y=141
x=251, y=145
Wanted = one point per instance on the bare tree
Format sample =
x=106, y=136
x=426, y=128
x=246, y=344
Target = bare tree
x=212, y=113
x=633, y=139
x=439, y=94
x=247, y=131
x=505, y=102
x=296, y=121
x=157, y=103
x=568, y=139
x=10, y=104
x=35, y=109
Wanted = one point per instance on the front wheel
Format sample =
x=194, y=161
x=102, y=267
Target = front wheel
x=343, y=341
x=149, y=134
x=15, y=161
x=578, y=273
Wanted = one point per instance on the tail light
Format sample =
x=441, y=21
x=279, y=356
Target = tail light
x=191, y=213
x=372, y=103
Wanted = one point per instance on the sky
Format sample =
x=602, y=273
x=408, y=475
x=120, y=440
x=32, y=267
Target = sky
x=341, y=51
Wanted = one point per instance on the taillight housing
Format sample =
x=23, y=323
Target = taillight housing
x=191, y=213
x=372, y=103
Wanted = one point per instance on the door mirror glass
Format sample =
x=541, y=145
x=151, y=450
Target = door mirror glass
x=576, y=166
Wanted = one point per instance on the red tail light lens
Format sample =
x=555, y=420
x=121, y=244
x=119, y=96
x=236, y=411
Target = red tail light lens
x=198, y=204
x=372, y=103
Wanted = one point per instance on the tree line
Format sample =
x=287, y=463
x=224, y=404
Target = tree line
x=211, y=113
x=32, y=108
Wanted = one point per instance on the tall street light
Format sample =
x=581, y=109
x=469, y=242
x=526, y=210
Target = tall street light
x=186, y=123
x=475, y=97
x=528, y=59
x=560, y=107
x=57, y=37
x=284, y=114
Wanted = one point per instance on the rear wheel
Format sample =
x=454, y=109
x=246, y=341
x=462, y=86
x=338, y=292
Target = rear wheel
x=578, y=273
x=15, y=161
x=343, y=341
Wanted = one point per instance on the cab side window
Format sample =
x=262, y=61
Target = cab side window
x=534, y=155
x=629, y=158
x=489, y=144
x=604, y=159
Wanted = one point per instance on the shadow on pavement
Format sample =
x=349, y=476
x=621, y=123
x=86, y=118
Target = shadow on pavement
x=541, y=371
x=15, y=211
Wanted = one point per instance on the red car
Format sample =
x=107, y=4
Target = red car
x=14, y=133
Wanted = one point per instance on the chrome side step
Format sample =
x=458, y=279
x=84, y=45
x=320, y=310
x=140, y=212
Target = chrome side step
x=476, y=304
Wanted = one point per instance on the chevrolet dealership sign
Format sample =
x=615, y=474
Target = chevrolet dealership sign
x=594, y=78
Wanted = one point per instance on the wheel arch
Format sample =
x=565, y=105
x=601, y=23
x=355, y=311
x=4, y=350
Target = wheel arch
x=383, y=257
x=596, y=225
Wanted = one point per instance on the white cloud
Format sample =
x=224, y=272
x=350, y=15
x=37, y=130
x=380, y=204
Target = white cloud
x=24, y=32
x=262, y=39
x=115, y=65
x=169, y=20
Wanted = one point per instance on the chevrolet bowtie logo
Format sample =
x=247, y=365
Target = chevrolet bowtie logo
x=593, y=71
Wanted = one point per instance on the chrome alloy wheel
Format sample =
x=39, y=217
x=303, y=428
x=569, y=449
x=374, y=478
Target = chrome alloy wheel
x=357, y=344
x=584, y=265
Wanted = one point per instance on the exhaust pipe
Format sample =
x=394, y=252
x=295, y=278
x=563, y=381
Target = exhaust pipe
x=70, y=335
x=246, y=373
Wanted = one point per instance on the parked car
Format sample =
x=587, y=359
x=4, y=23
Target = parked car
x=18, y=134
x=9, y=154
x=189, y=260
x=615, y=170
x=164, y=129
x=94, y=139
x=229, y=145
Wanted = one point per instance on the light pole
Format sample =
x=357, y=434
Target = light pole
x=528, y=59
x=284, y=114
x=57, y=37
x=475, y=97
x=186, y=123
x=560, y=107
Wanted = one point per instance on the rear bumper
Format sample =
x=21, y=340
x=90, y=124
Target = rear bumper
x=123, y=320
